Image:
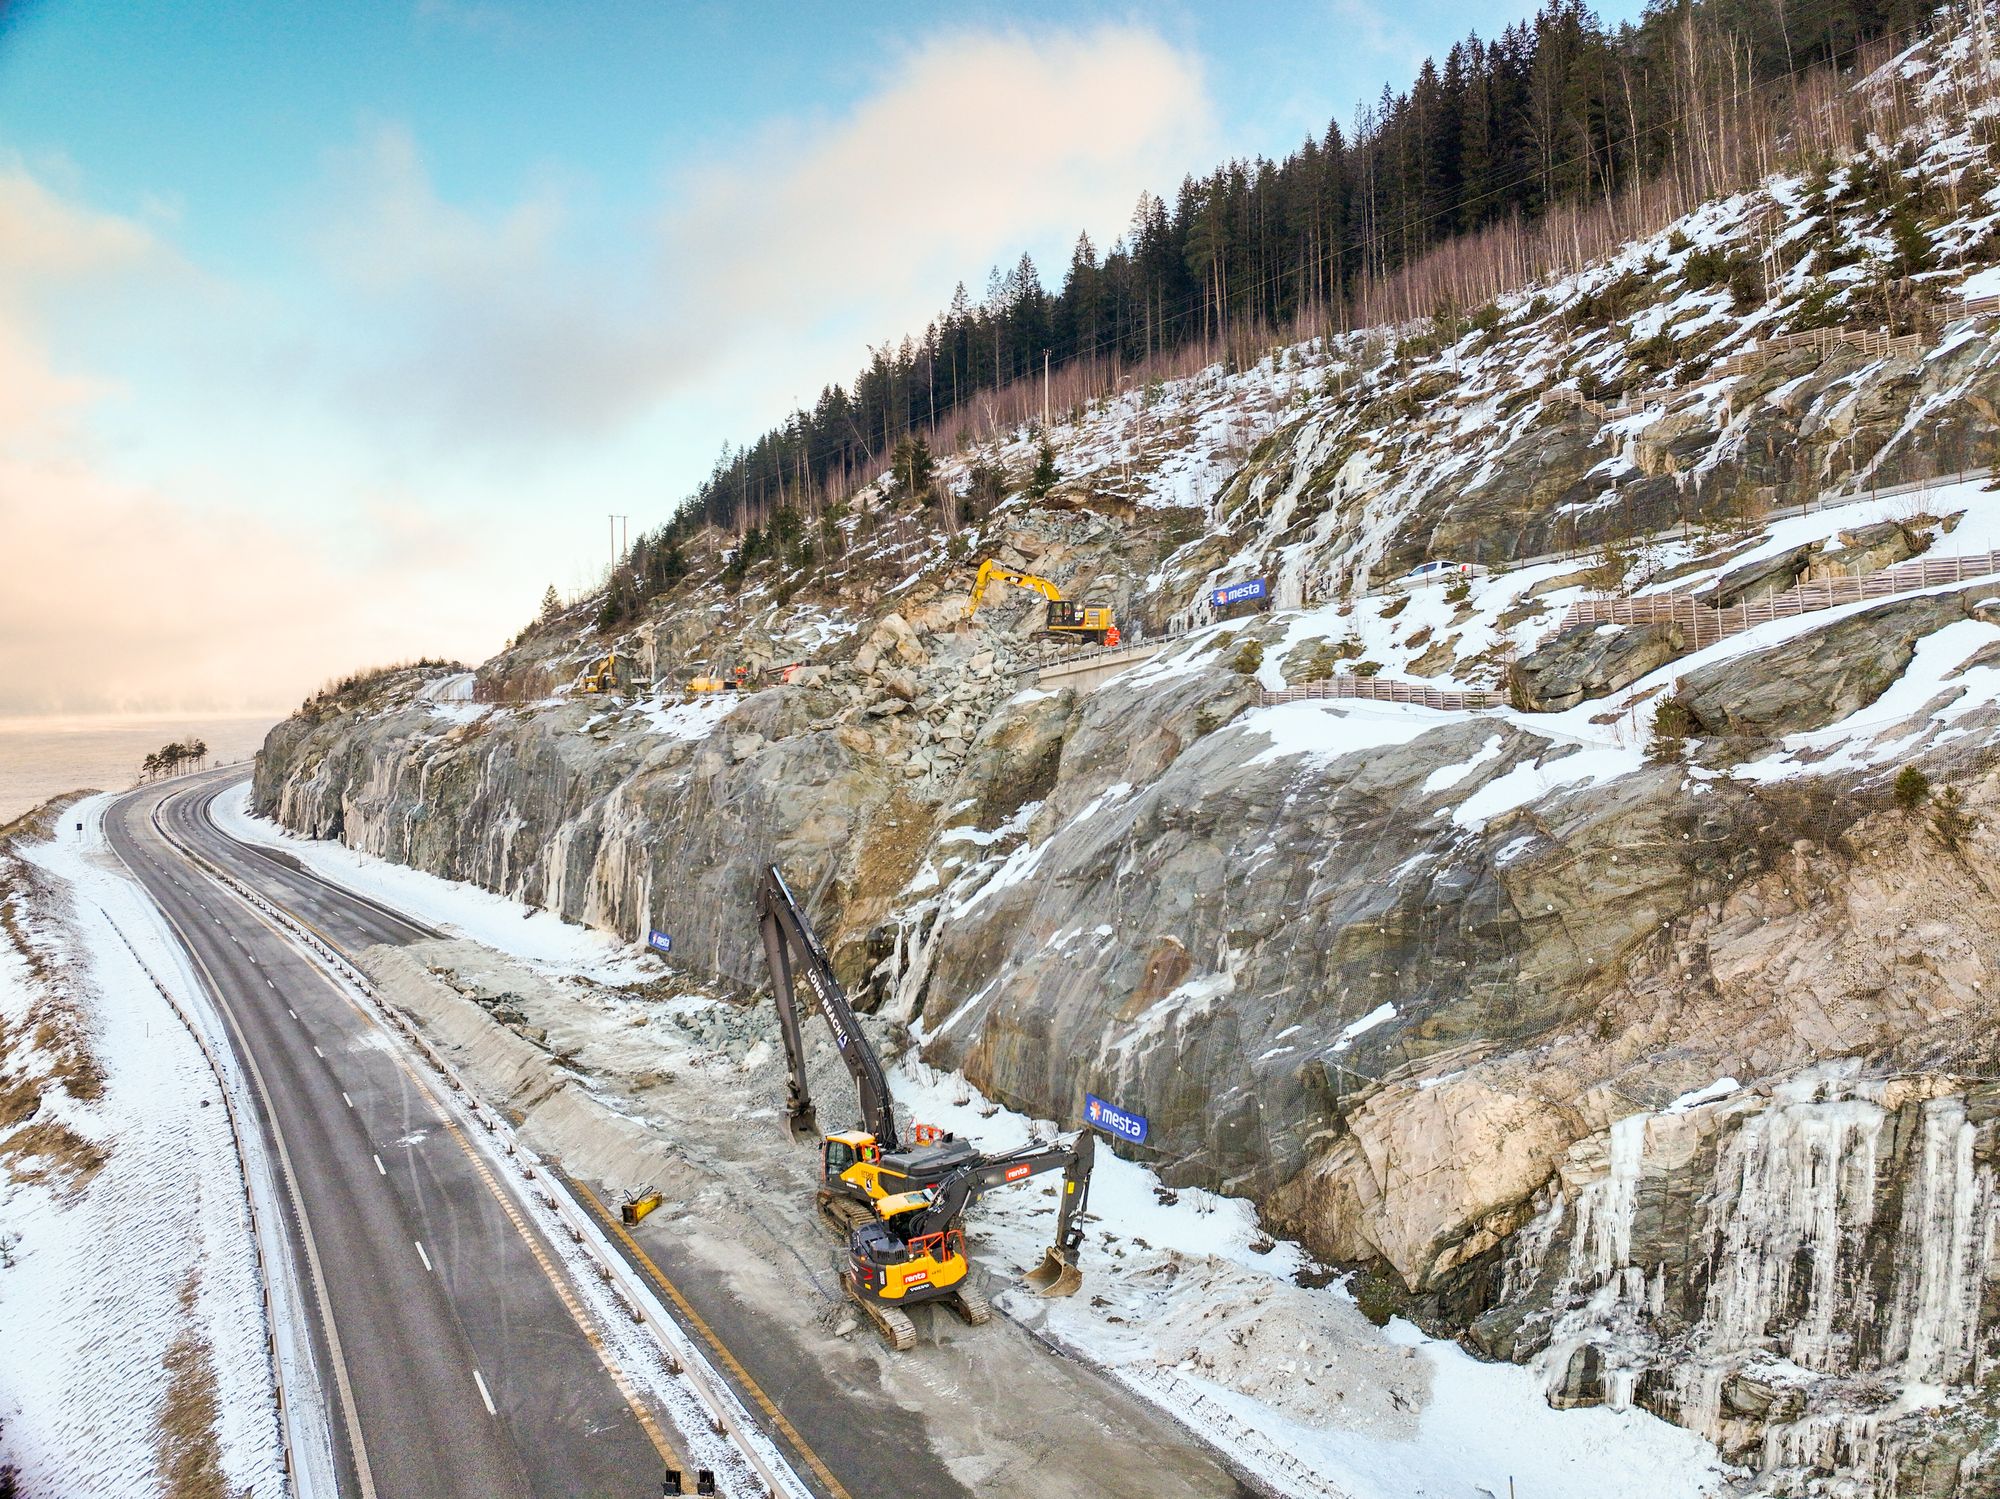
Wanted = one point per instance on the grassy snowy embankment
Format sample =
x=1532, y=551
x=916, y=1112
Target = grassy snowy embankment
x=130, y=1302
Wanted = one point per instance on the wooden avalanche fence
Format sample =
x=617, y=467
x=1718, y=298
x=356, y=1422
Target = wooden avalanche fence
x=1706, y=625
x=1874, y=343
x=1385, y=690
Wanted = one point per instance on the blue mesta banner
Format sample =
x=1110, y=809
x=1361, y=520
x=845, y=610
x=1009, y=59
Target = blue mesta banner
x=1114, y=1120
x=1236, y=593
x=660, y=940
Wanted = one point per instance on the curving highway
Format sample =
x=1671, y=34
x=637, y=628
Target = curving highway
x=454, y=1359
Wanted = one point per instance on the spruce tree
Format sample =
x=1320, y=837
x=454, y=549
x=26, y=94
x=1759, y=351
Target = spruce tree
x=1046, y=475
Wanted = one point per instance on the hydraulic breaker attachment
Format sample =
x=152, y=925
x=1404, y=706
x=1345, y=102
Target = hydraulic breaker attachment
x=638, y=1204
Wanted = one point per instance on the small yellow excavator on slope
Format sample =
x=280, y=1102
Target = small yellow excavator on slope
x=602, y=677
x=899, y=1209
x=1088, y=621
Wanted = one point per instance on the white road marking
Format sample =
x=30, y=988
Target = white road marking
x=483, y=1395
x=318, y=1053
x=421, y=1255
x=384, y=1170
x=346, y=1099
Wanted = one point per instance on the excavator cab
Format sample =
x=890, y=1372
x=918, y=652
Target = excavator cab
x=852, y=1152
x=857, y=1176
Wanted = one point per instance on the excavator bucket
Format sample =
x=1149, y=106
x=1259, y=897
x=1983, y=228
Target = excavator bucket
x=1056, y=1275
x=803, y=1122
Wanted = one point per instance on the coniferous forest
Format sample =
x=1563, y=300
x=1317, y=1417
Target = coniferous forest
x=1556, y=115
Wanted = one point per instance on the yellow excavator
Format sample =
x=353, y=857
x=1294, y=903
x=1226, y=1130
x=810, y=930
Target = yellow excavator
x=899, y=1208
x=602, y=677
x=915, y=1250
x=715, y=679
x=1066, y=619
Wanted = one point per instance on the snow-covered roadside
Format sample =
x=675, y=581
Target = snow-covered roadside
x=465, y=910
x=139, y=1291
x=1189, y=1304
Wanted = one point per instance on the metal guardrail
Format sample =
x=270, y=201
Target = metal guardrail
x=1143, y=650
x=681, y=1358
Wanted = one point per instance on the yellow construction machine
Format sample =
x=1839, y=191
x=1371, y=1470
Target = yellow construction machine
x=715, y=679
x=1065, y=619
x=915, y=1250
x=602, y=677
x=899, y=1208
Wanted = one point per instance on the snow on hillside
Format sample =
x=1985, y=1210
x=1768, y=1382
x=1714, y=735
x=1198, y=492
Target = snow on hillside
x=1383, y=427
x=1189, y=1303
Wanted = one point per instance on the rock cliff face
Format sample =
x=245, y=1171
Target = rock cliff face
x=1658, y=1055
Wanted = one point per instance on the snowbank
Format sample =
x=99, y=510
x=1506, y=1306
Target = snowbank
x=156, y=1251
x=1190, y=1304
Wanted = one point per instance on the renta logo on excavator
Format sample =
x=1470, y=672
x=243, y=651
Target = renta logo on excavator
x=1015, y=1173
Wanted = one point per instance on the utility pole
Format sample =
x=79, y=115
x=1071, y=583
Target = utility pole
x=619, y=546
x=1045, y=391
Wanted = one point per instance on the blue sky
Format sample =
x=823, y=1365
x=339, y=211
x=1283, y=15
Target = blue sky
x=357, y=319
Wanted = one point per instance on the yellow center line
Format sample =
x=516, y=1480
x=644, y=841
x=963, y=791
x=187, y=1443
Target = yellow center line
x=742, y=1375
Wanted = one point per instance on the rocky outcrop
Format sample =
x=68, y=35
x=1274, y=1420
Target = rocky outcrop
x=1822, y=676
x=1590, y=660
x=1667, y=1078
x=1755, y=581
x=1868, y=549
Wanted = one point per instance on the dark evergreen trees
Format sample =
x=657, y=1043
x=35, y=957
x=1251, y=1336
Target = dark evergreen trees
x=1559, y=109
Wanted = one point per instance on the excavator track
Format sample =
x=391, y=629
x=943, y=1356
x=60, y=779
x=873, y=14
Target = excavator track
x=970, y=1303
x=842, y=1215
x=897, y=1330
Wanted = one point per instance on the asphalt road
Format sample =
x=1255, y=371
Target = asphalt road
x=843, y=1442
x=464, y=1370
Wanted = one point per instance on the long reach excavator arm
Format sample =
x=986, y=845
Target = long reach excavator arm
x=792, y=948
x=899, y=1209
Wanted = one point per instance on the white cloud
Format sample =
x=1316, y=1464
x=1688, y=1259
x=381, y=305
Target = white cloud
x=771, y=265
x=126, y=594
x=51, y=252
x=492, y=327
x=216, y=491
x=976, y=147
x=46, y=241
